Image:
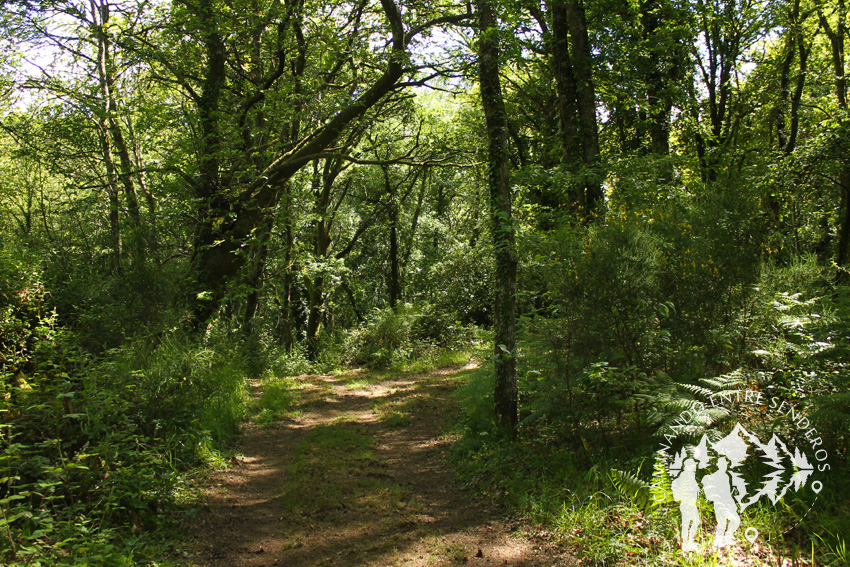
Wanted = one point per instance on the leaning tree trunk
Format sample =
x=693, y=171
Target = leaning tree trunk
x=505, y=394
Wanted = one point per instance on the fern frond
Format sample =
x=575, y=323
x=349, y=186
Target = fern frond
x=677, y=405
x=631, y=487
x=697, y=390
x=660, y=489
x=732, y=381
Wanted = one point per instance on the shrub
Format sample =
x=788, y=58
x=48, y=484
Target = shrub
x=412, y=331
x=633, y=303
x=290, y=363
x=90, y=450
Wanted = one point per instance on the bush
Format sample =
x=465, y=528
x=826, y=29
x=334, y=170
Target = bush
x=631, y=304
x=460, y=285
x=388, y=337
x=92, y=450
x=290, y=363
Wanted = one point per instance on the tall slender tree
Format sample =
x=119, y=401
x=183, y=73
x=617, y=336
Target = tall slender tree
x=499, y=182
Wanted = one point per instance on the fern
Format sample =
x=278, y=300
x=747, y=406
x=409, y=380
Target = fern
x=631, y=487
x=726, y=383
x=697, y=390
x=661, y=489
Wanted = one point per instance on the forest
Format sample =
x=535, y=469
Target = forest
x=579, y=244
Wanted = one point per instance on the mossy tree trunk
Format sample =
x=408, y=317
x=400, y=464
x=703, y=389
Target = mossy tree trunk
x=499, y=181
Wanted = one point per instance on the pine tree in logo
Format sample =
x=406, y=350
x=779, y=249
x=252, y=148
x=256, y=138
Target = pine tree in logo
x=777, y=456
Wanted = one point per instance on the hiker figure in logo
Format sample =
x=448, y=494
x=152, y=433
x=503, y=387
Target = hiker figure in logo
x=718, y=489
x=686, y=492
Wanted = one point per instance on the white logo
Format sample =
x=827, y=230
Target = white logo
x=722, y=483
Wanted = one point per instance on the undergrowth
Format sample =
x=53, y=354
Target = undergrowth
x=94, y=452
x=594, y=480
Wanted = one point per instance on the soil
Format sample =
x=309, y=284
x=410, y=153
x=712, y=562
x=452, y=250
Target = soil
x=358, y=475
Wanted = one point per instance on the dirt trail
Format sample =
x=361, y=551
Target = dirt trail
x=360, y=477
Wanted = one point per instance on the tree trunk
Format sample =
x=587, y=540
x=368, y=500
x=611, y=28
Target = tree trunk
x=392, y=214
x=316, y=300
x=582, y=60
x=565, y=84
x=836, y=40
x=498, y=177
x=114, y=205
x=124, y=173
x=214, y=257
x=658, y=100
x=842, y=253
x=395, y=282
x=99, y=14
x=255, y=277
x=150, y=201
x=797, y=96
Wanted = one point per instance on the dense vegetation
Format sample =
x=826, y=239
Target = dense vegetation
x=199, y=192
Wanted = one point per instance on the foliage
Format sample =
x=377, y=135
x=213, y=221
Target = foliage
x=290, y=363
x=666, y=286
x=785, y=336
x=197, y=194
x=93, y=449
x=388, y=337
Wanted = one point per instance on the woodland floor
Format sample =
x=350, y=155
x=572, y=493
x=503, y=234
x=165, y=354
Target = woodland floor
x=358, y=474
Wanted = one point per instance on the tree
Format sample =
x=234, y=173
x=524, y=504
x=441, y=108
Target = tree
x=567, y=45
x=83, y=36
x=499, y=182
x=727, y=29
x=836, y=30
x=233, y=202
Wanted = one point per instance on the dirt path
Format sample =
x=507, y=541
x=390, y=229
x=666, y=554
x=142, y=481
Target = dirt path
x=360, y=477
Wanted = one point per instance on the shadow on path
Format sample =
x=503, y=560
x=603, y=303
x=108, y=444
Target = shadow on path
x=362, y=477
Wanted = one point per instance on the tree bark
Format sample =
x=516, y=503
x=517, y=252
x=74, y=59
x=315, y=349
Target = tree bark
x=586, y=97
x=565, y=84
x=836, y=40
x=499, y=181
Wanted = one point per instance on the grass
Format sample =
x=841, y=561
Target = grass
x=836, y=549
x=334, y=466
x=278, y=399
x=395, y=419
x=394, y=412
x=455, y=552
